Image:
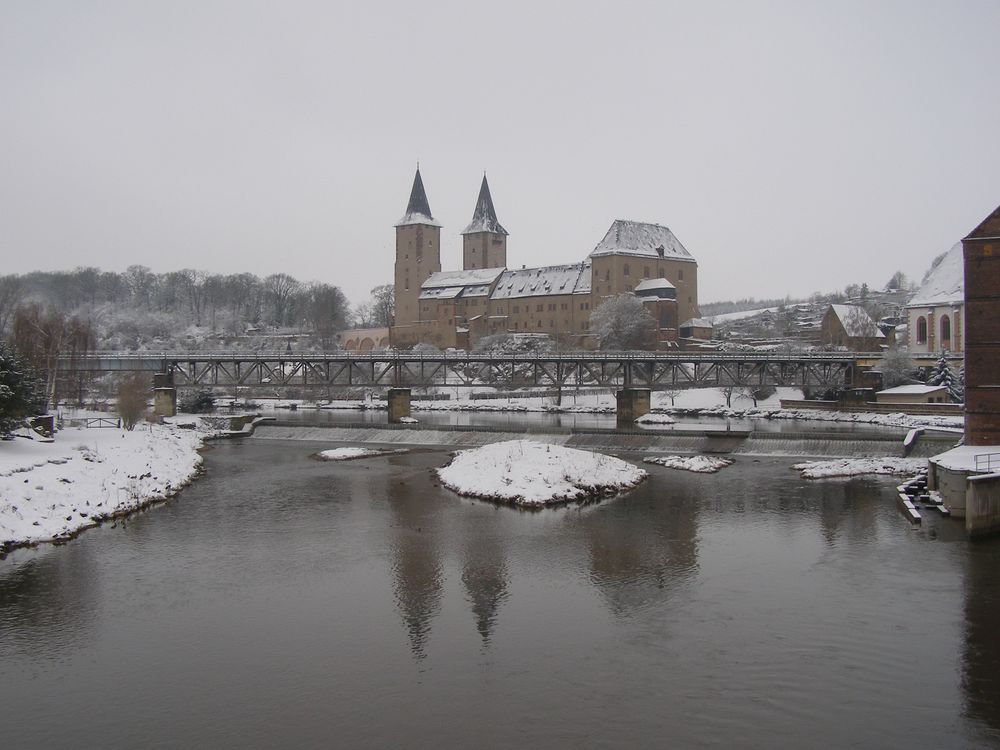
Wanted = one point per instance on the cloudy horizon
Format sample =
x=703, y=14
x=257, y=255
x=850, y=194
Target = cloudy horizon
x=791, y=147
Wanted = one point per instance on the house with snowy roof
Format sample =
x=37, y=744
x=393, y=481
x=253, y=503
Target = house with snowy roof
x=851, y=327
x=485, y=297
x=934, y=315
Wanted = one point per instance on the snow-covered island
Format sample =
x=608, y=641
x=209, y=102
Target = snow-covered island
x=528, y=473
x=49, y=491
x=350, y=453
x=698, y=464
x=852, y=467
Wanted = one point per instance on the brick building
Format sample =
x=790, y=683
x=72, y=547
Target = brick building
x=456, y=308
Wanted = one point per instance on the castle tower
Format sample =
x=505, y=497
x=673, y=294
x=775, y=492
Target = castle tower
x=418, y=253
x=484, y=241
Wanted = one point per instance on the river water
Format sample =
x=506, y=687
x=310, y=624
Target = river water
x=281, y=601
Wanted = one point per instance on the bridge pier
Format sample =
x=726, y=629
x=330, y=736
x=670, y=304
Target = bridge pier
x=632, y=404
x=164, y=395
x=399, y=404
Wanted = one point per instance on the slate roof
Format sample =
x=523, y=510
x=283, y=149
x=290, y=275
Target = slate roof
x=857, y=322
x=572, y=278
x=484, y=217
x=641, y=239
x=418, y=210
x=946, y=283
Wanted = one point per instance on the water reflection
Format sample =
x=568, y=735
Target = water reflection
x=981, y=657
x=642, y=548
x=46, y=597
x=417, y=569
x=484, y=577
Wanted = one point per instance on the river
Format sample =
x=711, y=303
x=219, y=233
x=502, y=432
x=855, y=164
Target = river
x=282, y=601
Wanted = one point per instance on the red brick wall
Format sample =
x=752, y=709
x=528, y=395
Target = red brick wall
x=982, y=341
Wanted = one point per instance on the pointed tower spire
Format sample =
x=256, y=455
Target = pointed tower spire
x=484, y=218
x=418, y=210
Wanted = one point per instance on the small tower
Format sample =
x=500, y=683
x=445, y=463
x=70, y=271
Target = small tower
x=484, y=241
x=418, y=252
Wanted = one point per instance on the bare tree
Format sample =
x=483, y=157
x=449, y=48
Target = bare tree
x=11, y=294
x=727, y=391
x=278, y=290
x=326, y=310
x=133, y=394
x=41, y=336
x=383, y=304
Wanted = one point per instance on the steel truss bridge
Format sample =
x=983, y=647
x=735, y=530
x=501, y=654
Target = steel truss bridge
x=657, y=371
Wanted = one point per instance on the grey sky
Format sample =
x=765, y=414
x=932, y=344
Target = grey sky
x=792, y=147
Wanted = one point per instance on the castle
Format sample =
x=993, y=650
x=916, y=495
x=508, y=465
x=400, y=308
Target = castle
x=457, y=308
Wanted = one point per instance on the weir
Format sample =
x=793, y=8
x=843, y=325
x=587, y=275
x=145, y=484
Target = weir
x=811, y=444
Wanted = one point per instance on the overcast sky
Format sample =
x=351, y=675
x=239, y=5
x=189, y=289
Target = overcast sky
x=791, y=147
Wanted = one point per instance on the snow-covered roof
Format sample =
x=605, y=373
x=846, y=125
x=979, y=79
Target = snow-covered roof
x=638, y=238
x=856, y=321
x=696, y=323
x=441, y=292
x=484, y=217
x=912, y=390
x=573, y=278
x=650, y=284
x=471, y=277
x=946, y=283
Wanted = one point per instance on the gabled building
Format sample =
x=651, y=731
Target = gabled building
x=851, y=327
x=456, y=308
x=935, y=314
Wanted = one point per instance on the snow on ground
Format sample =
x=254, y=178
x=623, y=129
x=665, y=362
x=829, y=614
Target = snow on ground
x=51, y=490
x=346, y=454
x=852, y=467
x=525, y=472
x=742, y=315
x=700, y=464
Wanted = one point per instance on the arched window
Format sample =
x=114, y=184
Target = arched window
x=945, y=332
x=921, y=330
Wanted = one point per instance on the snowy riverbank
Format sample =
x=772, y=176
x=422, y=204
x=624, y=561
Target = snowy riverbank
x=51, y=490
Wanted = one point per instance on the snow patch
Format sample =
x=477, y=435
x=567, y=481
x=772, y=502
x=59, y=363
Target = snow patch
x=699, y=464
x=529, y=473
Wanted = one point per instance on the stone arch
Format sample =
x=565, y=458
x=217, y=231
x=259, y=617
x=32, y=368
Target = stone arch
x=366, y=345
x=921, y=330
x=383, y=343
x=351, y=345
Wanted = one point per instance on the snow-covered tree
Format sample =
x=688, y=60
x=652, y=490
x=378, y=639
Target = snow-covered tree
x=21, y=392
x=897, y=368
x=942, y=374
x=622, y=322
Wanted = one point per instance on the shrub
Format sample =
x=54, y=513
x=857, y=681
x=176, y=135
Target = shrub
x=198, y=402
x=133, y=394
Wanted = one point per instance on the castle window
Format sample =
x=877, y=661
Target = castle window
x=659, y=272
x=539, y=308
x=539, y=324
x=945, y=332
x=607, y=275
x=645, y=272
x=564, y=306
x=517, y=309
x=552, y=307
x=625, y=270
x=680, y=275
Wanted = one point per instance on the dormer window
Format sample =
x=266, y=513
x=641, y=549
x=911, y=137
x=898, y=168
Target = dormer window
x=660, y=250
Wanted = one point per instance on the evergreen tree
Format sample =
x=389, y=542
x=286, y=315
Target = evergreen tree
x=21, y=392
x=942, y=374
